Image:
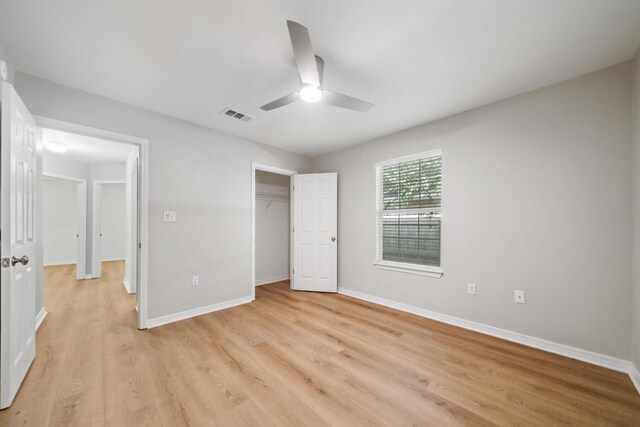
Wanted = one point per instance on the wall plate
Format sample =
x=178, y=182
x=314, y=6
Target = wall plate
x=471, y=288
x=170, y=216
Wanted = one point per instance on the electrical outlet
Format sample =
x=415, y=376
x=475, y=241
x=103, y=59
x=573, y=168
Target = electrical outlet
x=170, y=216
x=195, y=281
x=518, y=296
x=471, y=288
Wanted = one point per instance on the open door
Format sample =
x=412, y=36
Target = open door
x=20, y=148
x=315, y=226
x=81, y=235
x=96, y=235
x=131, y=264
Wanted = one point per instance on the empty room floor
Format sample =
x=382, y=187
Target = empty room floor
x=292, y=358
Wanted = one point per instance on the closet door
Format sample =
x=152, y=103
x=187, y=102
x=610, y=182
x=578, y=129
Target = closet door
x=315, y=226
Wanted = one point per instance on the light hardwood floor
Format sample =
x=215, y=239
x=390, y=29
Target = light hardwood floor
x=293, y=358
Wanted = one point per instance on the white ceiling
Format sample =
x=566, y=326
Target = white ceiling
x=417, y=60
x=85, y=149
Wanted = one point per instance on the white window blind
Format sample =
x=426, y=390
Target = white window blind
x=409, y=209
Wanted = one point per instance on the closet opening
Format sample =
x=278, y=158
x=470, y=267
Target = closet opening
x=272, y=226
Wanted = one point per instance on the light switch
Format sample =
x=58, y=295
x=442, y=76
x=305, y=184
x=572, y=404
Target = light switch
x=170, y=216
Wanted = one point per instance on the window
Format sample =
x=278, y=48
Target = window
x=409, y=213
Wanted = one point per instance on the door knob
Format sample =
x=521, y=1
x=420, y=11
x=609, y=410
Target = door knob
x=24, y=260
x=333, y=238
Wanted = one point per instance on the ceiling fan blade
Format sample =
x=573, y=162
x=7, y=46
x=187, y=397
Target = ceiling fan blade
x=320, y=64
x=343, y=101
x=303, y=53
x=281, y=102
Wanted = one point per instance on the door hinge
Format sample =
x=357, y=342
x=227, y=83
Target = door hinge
x=294, y=188
x=139, y=245
x=6, y=262
x=294, y=229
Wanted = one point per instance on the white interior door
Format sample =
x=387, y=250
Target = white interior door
x=81, y=235
x=20, y=148
x=315, y=226
x=96, y=268
x=132, y=237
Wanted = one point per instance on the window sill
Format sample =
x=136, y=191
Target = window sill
x=422, y=270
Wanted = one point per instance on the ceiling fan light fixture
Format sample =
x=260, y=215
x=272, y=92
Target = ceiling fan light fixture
x=56, y=147
x=310, y=93
x=310, y=68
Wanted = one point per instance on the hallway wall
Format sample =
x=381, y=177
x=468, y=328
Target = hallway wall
x=113, y=243
x=60, y=221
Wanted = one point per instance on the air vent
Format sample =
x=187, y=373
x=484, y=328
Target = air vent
x=232, y=113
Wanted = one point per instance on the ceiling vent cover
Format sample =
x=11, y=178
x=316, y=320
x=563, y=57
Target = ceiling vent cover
x=232, y=113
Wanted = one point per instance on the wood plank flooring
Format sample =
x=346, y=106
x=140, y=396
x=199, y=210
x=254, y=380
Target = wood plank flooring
x=292, y=358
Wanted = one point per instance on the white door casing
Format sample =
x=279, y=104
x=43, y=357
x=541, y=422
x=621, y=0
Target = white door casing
x=20, y=148
x=315, y=226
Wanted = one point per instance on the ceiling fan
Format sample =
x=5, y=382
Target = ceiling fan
x=310, y=68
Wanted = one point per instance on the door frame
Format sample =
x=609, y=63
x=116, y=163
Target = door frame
x=143, y=199
x=96, y=222
x=81, y=211
x=279, y=171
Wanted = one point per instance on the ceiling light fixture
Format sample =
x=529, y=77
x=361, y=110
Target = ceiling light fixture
x=310, y=93
x=56, y=147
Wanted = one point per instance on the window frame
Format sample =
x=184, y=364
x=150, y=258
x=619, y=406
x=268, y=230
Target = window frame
x=424, y=270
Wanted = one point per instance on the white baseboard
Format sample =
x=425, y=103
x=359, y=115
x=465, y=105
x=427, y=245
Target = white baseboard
x=125, y=282
x=170, y=318
x=260, y=282
x=598, y=359
x=635, y=376
x=112, y=259
x=40, y=317
x=52, y=264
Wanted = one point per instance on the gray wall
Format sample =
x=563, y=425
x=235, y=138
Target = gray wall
x=113, y=223
x=60, y=221
x=536, y=196
x=636, y=210
x=58, y=164
x=203, y=174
